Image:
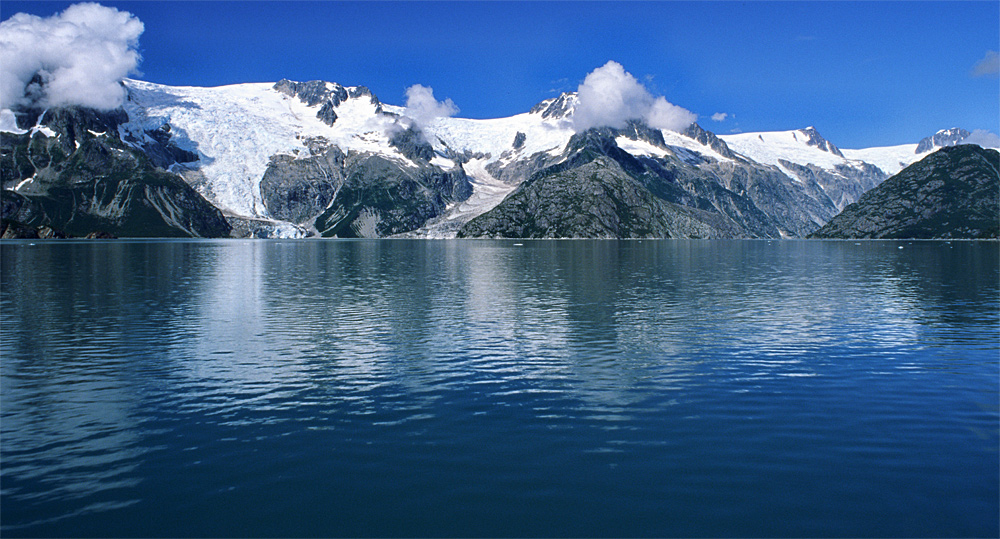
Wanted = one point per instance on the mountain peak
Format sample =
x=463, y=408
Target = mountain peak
x=943, y=138
x=817, y=140
x=327, y=94
x=707, y=138
x=557, y=107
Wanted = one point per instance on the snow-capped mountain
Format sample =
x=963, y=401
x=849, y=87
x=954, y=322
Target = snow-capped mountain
x=942, y=139
x=296, y=159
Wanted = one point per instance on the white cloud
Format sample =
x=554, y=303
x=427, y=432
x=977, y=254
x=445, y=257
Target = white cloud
x=81, y=55
x=720, y=116
x=983, y=138
x=989, y=65
x=610, y=96
x=423, y=108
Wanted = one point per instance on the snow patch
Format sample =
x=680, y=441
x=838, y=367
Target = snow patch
x=677, y=140
x=45, y=131
x=442, y=162
x=8, y=123
x=640, y=147
x=24, y=182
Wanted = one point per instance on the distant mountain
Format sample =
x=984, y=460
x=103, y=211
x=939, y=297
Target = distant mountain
x=941, y=139
x=952, y=193
x=316, y=158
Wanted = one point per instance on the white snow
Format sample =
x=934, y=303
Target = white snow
x=8, y=123
x=677, y=140
x=641, y=147
x=496, y=136
x=43, y=130
x=23, y=183
x=442, y=162
x=767, y=148
x=890, y=159
x=236, y=129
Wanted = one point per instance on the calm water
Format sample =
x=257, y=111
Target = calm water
x=554, y=388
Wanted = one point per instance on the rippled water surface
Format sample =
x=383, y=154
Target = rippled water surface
x=550, y=388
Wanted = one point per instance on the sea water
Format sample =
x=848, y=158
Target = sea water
x=499, y=388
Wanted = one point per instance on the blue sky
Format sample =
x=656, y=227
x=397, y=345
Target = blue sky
x=865, y=73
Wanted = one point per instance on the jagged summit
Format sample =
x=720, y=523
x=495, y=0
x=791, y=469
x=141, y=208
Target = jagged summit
x=709, y=139
x=943, y=138
x=329, y=95
x=557, y=107
x=813, y=138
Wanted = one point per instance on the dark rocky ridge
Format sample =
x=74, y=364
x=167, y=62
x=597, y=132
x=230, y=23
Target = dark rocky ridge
x=83, y=182
x=380, y=197
x=599, y=189
x=359, y=194
x=760, y=199
x=597, y=199
x=952, y=193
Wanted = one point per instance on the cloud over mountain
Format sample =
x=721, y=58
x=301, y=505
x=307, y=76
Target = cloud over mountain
x=610, y=96
x=423, y=108
x=77, y=57
x=983, y=138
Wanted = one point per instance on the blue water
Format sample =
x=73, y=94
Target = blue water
x=487, y=388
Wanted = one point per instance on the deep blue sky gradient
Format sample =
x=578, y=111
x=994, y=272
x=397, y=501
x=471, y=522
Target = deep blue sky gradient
x=865, y=74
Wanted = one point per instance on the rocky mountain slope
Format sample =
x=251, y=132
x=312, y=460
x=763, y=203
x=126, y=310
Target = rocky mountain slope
x=67, y=171
x=296, y=159
x=952, y=193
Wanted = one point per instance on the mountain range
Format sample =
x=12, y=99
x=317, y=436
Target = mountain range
x=300, y=159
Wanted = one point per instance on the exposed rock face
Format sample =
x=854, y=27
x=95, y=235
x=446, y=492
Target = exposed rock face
x=556, y=107
x=74, y=174
x=780, y=209
x=410, y=142
x=815, y=139
x=636, y=130
x=753, y=199
x=841, y=187
x=329, y=94
x=298, y=189
x=520, y=170
x=952, y=193
x=709, y=139
x=313, y=92
x=380, y=197
x=360, y=194
x=945, y=137
x=519, y=139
